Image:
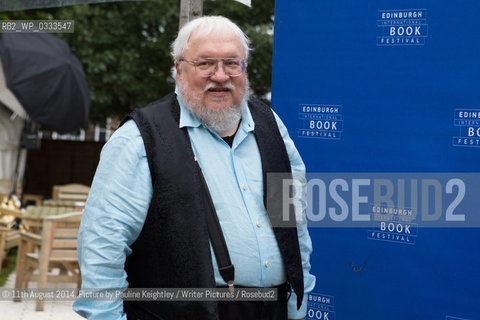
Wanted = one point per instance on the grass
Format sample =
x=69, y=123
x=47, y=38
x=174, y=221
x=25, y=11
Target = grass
x=11, y=266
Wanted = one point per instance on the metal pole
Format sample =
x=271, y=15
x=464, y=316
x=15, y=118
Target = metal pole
x=189, y=10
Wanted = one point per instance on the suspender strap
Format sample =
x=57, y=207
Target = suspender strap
x=225, y=266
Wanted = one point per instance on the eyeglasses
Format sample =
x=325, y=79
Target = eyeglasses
x=206, y=67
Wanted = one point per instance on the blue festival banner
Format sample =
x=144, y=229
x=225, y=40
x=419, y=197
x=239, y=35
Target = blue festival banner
x=382, y=100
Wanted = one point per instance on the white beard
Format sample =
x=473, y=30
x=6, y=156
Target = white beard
x=218, y=120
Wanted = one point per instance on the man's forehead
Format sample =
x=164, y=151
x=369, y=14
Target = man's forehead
x=199, y=40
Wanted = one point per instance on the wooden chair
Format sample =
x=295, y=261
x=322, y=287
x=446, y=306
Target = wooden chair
x=8, y=239
x=35, y=198
x=55, y=247
x=74, y=192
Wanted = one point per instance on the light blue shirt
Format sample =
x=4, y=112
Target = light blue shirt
x=120, y=197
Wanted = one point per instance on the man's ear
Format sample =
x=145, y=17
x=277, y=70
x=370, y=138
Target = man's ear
x=178, y=69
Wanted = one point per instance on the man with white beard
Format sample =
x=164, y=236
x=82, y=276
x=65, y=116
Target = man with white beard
x=200, y=153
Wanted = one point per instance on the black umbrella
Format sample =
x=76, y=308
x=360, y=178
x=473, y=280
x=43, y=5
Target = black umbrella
x=47, y=80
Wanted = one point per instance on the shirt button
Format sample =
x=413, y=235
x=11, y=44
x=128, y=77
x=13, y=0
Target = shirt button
x=244, y=187
x=267, y=264
x=259, y=224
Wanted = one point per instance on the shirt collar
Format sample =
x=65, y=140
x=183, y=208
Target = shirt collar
x=189, y=120
x=186, y=118
x=247, y=123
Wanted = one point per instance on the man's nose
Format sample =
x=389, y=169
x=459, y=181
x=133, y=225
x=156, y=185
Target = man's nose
x=219, y=74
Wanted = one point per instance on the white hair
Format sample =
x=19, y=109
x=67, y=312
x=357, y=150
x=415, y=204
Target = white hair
x=205, y=26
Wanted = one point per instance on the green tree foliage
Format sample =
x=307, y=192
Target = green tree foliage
x=257, y=22
x=125, y=47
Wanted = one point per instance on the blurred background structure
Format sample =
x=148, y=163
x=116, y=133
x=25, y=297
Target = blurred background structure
x=117, y=59
x=124, y=47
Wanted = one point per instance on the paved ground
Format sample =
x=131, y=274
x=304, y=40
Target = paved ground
x=54, y=310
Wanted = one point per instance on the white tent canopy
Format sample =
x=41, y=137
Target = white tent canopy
x=11, y=125
x=10, y=132
x=8, y=98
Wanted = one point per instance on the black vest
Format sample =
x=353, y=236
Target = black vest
x=173, y=248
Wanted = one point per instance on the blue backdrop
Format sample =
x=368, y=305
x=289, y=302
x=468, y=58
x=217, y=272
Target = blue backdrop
x=385, y=86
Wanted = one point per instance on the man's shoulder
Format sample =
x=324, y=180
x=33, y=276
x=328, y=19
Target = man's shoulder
x=125, y=142
x=151, y=109
x=261, y=111
x=259, y=104
x=163, y=110
x=128, y=131
x=256, y=102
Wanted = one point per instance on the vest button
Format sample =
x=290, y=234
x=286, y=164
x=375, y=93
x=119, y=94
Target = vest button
x=259, y=224
x=267, y=264
x=244, y=187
